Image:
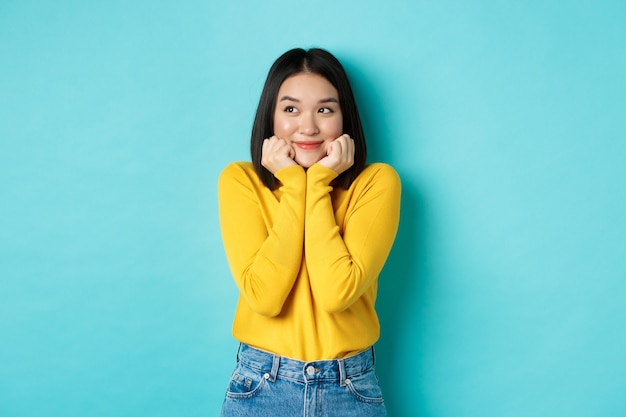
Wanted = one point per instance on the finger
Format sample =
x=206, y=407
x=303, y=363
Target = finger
x=337, y=148
x=351, y=147
x=267, y=142
x=292, y=151
x=273, y=145
x=346, y=147
x=329, y=148
x=345, y=141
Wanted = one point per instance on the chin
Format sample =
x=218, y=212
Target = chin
x=305, y=165
x=306, y=162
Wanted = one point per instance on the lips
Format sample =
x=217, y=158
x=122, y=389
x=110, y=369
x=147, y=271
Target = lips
x=308, y=145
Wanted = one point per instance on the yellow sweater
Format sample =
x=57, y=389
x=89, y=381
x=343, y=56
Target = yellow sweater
x=306, y=257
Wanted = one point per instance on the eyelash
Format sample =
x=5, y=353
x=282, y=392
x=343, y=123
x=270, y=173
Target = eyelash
x=323, y=110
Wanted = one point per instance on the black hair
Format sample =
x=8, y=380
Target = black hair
x=314, y=61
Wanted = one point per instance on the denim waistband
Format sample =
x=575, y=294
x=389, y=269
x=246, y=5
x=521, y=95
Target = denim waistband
x=274, y=366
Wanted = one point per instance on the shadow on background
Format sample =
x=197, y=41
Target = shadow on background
x=400, y=286
x=401, y=281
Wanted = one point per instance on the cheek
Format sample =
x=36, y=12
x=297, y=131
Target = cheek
x=334, y=128
x=282, y=127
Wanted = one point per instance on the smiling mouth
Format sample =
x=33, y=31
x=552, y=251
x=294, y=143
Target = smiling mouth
x=308, y=145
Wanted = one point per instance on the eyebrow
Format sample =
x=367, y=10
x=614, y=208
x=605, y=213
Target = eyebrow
x=324, y=100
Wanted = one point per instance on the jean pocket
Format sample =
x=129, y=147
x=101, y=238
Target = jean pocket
x=365, y=388
x=246, y=383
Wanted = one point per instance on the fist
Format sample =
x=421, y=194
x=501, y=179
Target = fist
x=339, y=154
x=277, y=154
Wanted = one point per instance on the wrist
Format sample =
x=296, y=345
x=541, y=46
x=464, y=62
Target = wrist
x=322, y=173
x=290, y=173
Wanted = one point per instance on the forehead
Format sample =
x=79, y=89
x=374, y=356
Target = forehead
x=307, y=84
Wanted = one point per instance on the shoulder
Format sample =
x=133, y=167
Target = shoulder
x=237, y=169
x=378, y=182
x=380, y=173
x=238, y=172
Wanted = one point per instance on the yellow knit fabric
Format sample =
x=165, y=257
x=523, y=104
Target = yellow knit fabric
x=306, y=257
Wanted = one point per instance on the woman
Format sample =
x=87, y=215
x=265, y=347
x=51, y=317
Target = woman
x=307, y=227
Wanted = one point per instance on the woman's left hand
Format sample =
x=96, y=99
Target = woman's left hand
x=339, y=154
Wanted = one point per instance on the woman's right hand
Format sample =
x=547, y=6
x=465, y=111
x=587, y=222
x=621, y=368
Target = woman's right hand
x=277, y=154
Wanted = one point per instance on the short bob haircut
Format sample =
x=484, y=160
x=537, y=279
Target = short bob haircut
x=314, y=61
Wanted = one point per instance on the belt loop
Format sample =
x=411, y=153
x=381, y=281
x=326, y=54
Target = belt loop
x=275, y=366
x=238, y=351
x=342, y=373
x=373, y=356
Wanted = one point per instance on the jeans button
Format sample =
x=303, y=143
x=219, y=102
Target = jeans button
x=310, y=370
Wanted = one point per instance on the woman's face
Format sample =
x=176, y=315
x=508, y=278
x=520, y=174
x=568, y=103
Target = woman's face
x=308, y=116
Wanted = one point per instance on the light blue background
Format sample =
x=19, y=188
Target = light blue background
x=504, y=294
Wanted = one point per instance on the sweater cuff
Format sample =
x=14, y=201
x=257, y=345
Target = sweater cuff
x=319, y=173
x=290, y=174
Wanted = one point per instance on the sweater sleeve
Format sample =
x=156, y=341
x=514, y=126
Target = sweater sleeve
x=264, y=259
x=342, y=266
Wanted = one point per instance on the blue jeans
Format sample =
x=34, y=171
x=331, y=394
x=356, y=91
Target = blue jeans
x=268, y=385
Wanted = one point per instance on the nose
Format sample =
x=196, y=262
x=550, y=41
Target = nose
x=308, y=125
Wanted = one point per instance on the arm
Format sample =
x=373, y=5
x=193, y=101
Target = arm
x=264, y=260
x=343, y=267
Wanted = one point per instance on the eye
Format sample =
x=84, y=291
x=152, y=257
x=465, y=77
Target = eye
x=326, y=110
x=291, y=109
